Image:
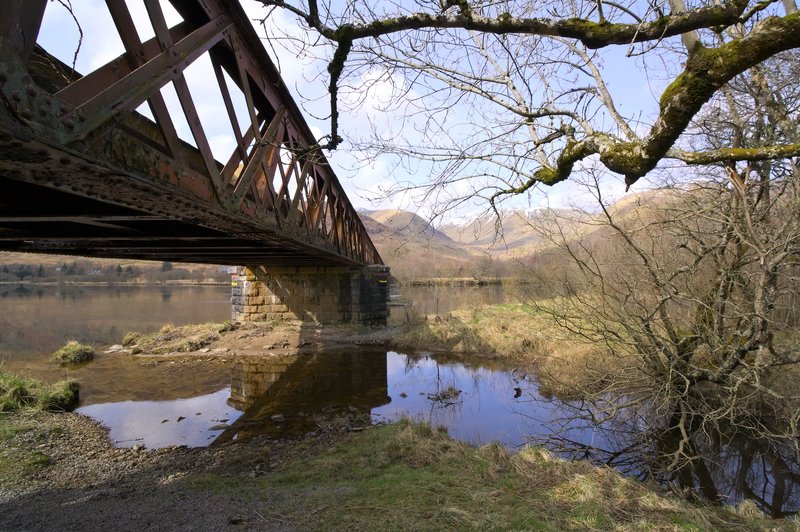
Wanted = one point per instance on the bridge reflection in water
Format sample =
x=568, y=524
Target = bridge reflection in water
x=291, y=394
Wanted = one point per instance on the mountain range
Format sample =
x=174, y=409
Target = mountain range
x=407, y=242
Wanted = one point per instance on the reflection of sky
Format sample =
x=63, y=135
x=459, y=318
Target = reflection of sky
x=485, y=411
x=132, y=422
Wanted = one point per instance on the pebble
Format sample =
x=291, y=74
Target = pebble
x=278, y=418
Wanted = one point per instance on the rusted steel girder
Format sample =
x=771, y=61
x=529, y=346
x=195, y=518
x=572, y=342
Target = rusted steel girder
x=82, y=172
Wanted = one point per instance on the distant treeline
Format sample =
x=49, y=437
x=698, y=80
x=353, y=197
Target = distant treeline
x=89, y=271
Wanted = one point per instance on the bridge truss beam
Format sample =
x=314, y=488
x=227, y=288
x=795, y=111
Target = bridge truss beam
x=82, y=172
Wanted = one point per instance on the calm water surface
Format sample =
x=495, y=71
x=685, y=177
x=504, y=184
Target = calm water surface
x=197, y=403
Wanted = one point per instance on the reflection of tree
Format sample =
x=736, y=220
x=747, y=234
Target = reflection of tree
x=722, y=467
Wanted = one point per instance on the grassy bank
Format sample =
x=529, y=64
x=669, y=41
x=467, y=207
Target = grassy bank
x=411, y=477
x=171, y=339
x=18, y=393
x=522, y=335
x=507, y=331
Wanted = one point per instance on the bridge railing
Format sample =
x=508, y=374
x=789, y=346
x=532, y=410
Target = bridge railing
x=274, y=173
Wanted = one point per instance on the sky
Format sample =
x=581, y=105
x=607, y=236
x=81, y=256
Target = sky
x=634, y=84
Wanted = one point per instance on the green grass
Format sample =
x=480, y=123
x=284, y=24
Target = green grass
x=20, y=392
x=408, y=476
x=74, y=353
x=20, y=435
x=20, y=457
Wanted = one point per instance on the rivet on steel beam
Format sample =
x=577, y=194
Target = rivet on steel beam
x=69, y=123
x=30, y=89
x=16, y=96
x=81, y=116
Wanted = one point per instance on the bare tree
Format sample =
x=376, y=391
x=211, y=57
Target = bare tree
x=692, y=288
x=530, y=79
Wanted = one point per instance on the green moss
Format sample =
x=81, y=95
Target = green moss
x=226, y=326
x=592, y=34
x=74, y=353
x=37, y=460
x=546, y=175
x=626, y=158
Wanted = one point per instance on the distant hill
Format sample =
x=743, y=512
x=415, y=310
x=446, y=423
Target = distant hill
x=405, y=223
x=513, y=233
x=413, y=247
x=408, y=242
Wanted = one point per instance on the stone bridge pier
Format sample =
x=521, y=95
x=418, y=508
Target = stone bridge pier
x=319, y=294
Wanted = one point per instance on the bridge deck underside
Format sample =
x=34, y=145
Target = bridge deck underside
x=41, y=219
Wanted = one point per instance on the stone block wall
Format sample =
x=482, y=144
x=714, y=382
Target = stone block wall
x=323, y=294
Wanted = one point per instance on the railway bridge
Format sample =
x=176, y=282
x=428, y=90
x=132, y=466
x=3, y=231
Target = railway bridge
x=119, y=162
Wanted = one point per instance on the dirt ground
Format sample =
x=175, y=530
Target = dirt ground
x=211, y=340
x=59, y=471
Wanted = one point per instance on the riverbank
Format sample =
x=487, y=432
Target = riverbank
x=59, y=472
x=520, y=334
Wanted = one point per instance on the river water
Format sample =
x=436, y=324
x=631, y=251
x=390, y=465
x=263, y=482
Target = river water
x=195, y=403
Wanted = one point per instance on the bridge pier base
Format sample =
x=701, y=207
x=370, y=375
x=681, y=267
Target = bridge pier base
x=324, y=294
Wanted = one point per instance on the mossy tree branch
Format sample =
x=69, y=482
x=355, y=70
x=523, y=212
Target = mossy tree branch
x=706, y=71
x=591, y=34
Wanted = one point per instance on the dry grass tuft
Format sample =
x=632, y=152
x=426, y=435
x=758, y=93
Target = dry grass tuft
x=185, y=339
x=74, y=353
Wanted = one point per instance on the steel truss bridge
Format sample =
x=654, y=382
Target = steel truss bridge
x=83, y=172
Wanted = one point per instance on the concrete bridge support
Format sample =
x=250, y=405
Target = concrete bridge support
x=320, y=294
